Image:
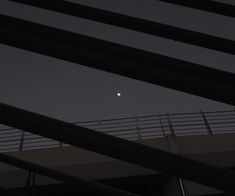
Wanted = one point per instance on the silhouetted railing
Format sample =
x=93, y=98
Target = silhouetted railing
x=132, y=128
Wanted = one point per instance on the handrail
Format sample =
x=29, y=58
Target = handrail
x=148, y=126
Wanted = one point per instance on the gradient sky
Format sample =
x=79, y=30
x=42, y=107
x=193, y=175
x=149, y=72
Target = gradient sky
x=76, y=93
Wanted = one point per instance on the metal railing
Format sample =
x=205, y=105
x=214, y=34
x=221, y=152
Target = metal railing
x=131, y=128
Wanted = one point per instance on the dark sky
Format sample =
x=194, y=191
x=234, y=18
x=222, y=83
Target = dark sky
x=75, y=93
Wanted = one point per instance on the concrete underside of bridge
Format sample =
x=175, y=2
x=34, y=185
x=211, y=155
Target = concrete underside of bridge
x=214, y=149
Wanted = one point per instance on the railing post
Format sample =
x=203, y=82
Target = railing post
x=60, y=144
x=206, y=123
x=170, y=124
x=137, y=127
x=99, y=126
x=162, y=127
x=22, y=141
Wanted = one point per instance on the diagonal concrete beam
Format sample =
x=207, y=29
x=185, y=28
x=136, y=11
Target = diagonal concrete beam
x=119, y=59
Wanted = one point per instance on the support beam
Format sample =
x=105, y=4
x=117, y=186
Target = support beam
x=159, y=160
x=206, y=5
x=119, y=59
x=136, y=24
x=75, y=182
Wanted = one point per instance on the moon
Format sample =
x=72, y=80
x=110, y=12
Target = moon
x=119, y=94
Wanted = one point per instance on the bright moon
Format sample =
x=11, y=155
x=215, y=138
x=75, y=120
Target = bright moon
x=119, y=94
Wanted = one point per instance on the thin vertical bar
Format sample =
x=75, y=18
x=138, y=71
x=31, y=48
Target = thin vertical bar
x=162, y=127
x=137, y=127
x=170, y=125
x=99, y=126
x=22, y=141
x=206, y=123
x=60, y=144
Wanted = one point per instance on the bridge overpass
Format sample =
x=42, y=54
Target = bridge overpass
x=204, y=136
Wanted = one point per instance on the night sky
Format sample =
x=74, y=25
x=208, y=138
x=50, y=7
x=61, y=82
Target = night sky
x=76, y=93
